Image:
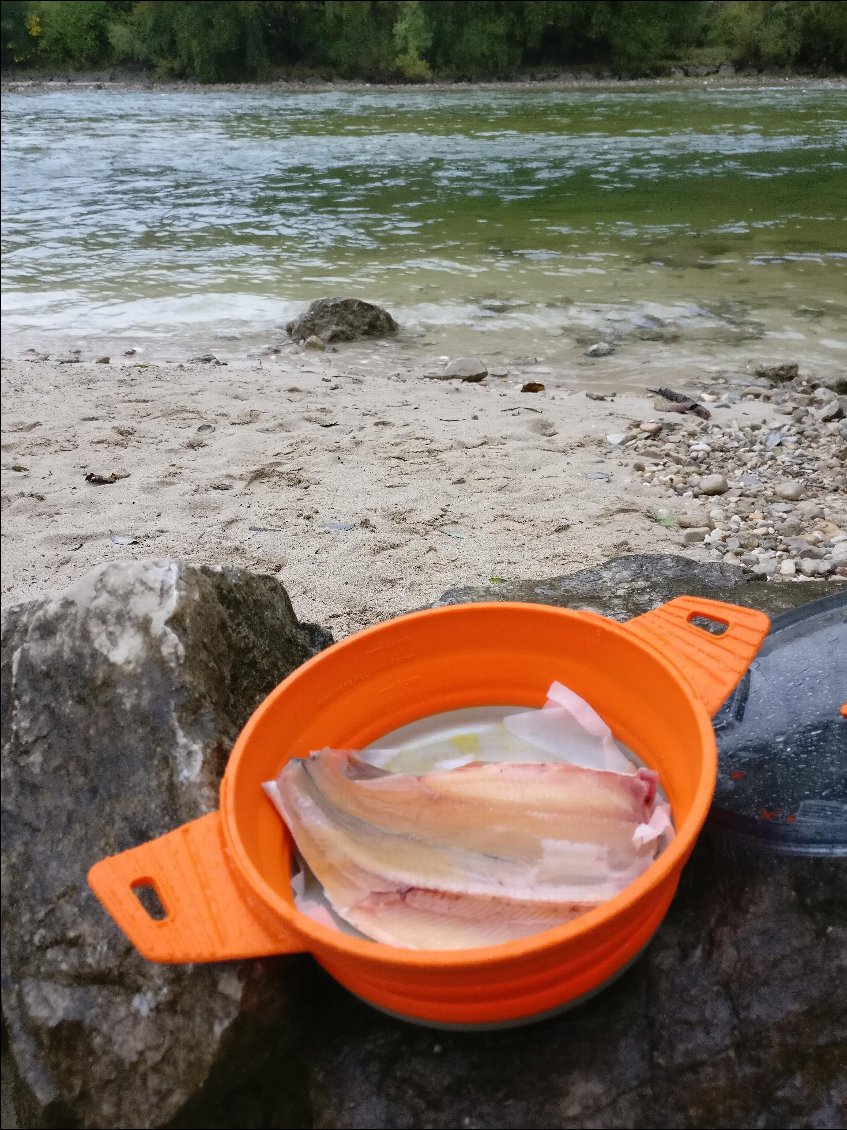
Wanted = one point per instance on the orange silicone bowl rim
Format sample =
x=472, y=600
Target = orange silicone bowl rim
x=318, y=938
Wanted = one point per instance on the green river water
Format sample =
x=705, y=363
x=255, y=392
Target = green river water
x=499, y=220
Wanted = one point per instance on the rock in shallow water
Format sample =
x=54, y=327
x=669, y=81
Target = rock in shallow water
x=121, y=699
x=779, y=374
x=600, y=349
x=342, y=319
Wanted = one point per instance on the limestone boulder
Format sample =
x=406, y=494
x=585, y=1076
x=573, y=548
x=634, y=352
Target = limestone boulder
x=122, y=697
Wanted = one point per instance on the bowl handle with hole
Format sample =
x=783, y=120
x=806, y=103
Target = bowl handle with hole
x=205, y=915
x=714, y=664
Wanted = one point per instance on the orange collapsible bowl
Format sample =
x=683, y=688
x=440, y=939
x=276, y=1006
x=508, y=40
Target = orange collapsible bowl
x=224, y=881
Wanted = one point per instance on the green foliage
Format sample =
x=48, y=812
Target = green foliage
x=73, y=32
x=639, y=34
x=825, y=35
x=412, y=39
x=127, y=46
x=358, y=37
x=17, y=44
x=294, y=31
x=741, y=28
x=210, y=40
x=558, y=32
x=243, y=40
x=784, y=33
x=475, y=38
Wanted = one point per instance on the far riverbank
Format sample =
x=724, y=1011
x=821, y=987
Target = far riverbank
x=122, y=82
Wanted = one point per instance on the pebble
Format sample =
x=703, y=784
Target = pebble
x=815, y=552
x=809, y=567
x=783, y=510
x=765, y=567
x=313, y=342
x=690, y=518
x=714, y=484
x=824, y=393
x=465, y=369
x=600, y=349
x=650, y=427
x=830, y=411
x=790, y=526
x=695, y=535
x=791, y=491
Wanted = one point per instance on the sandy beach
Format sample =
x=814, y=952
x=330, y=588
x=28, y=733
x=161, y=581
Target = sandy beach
x=365, y=486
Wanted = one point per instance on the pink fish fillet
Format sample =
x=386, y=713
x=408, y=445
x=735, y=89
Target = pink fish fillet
x=416, y=918
x=489, y=851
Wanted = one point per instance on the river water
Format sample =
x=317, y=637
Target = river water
x=516, y=220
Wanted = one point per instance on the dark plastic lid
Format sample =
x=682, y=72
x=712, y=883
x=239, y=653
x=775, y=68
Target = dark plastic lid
x=782, y=738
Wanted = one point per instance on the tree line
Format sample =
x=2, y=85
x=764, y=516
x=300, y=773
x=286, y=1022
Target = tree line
x=417, y=40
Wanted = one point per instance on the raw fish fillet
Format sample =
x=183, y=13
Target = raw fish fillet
x=470, y=856
x=438, y=920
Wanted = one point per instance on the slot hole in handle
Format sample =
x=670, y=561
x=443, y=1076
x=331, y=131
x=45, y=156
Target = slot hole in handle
x=147, y=893
x=708, y=624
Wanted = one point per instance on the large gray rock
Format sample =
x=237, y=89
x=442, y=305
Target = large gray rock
x=731, y=1018
x=121, y=699
x=631, y=585
x=342, y=319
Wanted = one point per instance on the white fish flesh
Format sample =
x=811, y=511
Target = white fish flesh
x=469, y=856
